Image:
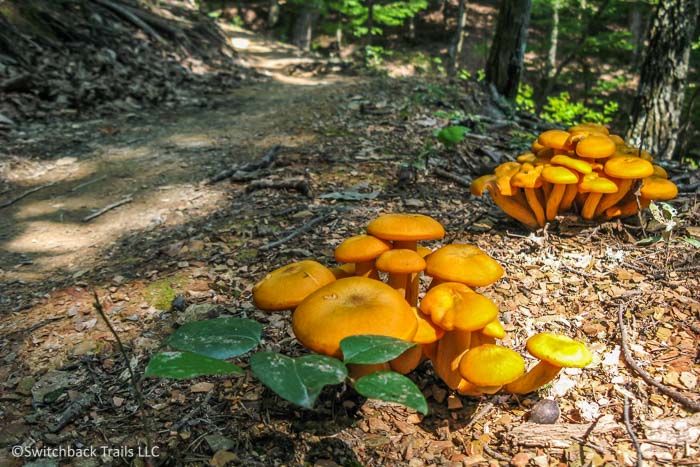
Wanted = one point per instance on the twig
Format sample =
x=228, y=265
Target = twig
x=675, y=395
x=480, y=414
x=75, y=409
x=298, y=184
x=90, y=182
x=126, y=200
x=454, y=177
x=585, y=441
x=129, y=16
x=583, y=273
x=135, y=384
x=496, y=455
x=25, y=194
x=630, y=431
x=180, y=423
x=304, y=228
x=265, y=161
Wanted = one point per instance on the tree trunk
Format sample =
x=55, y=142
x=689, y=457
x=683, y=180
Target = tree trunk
x=656, y=110
x=273, y=15
x=553, y=41
x=458, y=39
x=370, y=20
x=304, y=27
x=504, y=66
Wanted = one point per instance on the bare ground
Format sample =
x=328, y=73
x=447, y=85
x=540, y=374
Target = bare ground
x=347, y=138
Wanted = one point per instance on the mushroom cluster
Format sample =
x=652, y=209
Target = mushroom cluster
x=584, y=170
x=454, y=326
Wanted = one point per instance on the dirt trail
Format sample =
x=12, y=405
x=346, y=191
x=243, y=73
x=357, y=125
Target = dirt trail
x=159, y=159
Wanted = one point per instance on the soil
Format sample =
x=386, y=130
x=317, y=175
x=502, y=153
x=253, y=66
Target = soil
x=182, y=249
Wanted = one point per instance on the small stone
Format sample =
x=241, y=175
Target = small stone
x=50, y=387
x=521, y=459
x=202, y=387
x=178, y=303
x=545, y=412
x=219, y=443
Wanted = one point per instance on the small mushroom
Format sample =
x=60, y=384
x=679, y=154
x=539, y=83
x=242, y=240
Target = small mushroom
x=530, y=178
x=466, y=264
x=405, y=230
x=555, y=352
x=596, y=146
x=560, y=177
x=454, y=306
x=491, y=366
x=361, y=250
x=285, y=287
x=626, y=169
x=554, y=139
x=596, y=186
x=400, y=265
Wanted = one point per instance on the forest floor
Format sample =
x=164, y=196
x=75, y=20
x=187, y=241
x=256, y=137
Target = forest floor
x=350, y=146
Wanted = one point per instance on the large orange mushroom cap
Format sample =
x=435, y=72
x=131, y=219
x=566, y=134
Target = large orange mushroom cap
x=627, y=167
x=452, y=305
x=406, y=227
x=596, y=146
x=360, y=248
x=554, y=139
x=285, y=287
x=467, y=264
x=349, y=307
x=491, y=365
x=658, y=188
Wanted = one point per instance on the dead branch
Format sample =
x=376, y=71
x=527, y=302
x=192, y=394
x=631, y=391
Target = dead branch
x=630, y=431
x=89, y=182
x=298, y=184
x=126, y=200
x=25, y=194
x=454, y=177
x=559, y=436
x=295, y=233
x=74, y=410
x=671, y=393
x=265, y=161
x=131, y=17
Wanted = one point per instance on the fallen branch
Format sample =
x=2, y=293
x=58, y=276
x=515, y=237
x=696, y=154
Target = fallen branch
x=126, y=200
x=76, y=408
x=454, y=177
x=188, y=416
x=671, y=393
x=89, y=182
x=295, y=233
x=630, y=431
x=265, y=161
x=298, y=184
x=132, y=18
x=25, y=194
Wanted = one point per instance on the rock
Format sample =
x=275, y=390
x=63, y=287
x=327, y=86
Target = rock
x=24, y=386
x=51, y=386
x=219, y=443
x=545, y=412
x=179, y=303
x=198, y=312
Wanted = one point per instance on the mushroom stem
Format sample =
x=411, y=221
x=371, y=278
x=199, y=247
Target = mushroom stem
x=407, y=361
x=357, y=371
x=535, y=205
x=366, y=269
x=547, y=189
x=568, y=198
x=514, y=209
x=412, y=288
x=450, y=349
x=612, y=199
x=538, y=376
x=469, y=389
x=628, y=208
x=435, y=282
x=554, y=200
x=478, y=338
x=589, y=207
x=405, y=245
x=399, y=283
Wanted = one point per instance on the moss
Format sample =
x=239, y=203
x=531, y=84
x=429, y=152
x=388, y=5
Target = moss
x=160, y=294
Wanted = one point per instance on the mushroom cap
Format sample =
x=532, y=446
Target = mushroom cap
x=559, y=350
x=578, y=165
x=343, y=271
x=423, y=251
x=467, y=264
x=594, y=183
x=590, y=127
x=503, y=173
x=452, y=305
x=491, y=365
x=360, y=248
x=530, y=176
x=628, y=167
x=348, y=307
x=658, y=188
x=526, y=157
x=596, y=146
x=400, y=261
x=617, y=139
x=481, y=183
x=286, y=287
x=406, y=227
x=494, y=329
x=536, y=146
x=559, y=175
x=659, y=171
x=427, y=332
x=555, y=139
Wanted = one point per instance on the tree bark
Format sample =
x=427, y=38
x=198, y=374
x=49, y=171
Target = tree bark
x=656, y=110
x=553, y=41
x=504, y=66
x=273, y=15
x=458, y=39
x=304, y=26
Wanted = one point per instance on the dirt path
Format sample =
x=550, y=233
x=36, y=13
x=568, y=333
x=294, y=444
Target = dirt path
x=159, y=160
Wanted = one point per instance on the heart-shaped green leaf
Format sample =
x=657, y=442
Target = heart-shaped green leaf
x=217, y=338
x=298, y=380
x=372, y=349
x=452, y=135
x=183, y=365
x=392, y=387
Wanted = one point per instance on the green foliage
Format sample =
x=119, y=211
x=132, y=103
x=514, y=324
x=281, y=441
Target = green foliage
x=367, y=349
x=204, y=346
x=392, y=387
x=451, y=135
x=560, y=109
x=354, y=14
x=525, y=100
x=298, y=380
x=184, y=365
x=374, y=56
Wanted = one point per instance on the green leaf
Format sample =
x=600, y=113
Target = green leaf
x=183, y=365
x=392, y=387
x=372, y=349
x=217, y=338
x=649, y=240
x=298, y=380
x=452, y=135
x=692, y=241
